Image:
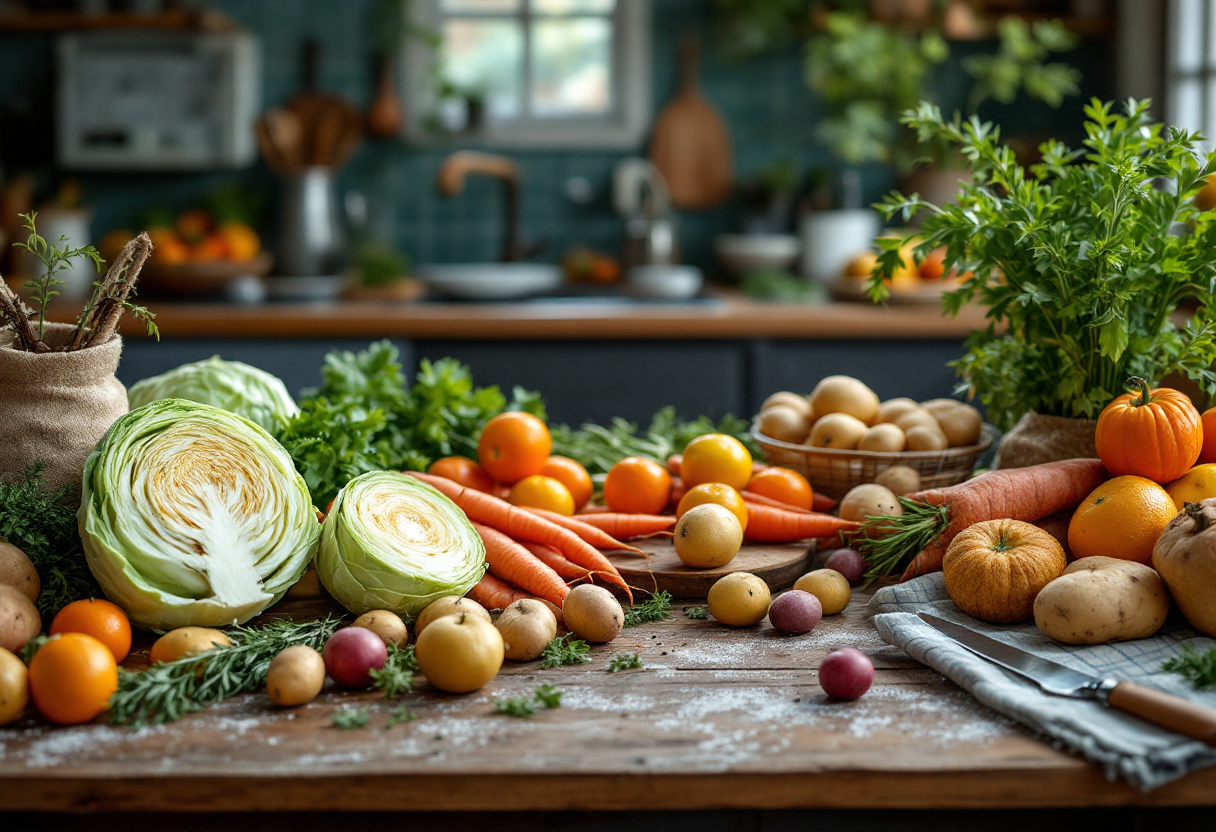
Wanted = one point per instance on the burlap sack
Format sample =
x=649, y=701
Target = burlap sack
x=55, y=406
x=1037, y=439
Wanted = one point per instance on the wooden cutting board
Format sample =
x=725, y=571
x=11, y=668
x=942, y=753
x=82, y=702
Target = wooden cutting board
x=778, y=565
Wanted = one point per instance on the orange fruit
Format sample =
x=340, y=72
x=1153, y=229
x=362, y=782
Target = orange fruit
x=462, y=470
x=212, y=248
x=716, y=457
x=241, y=241
x=99, y=618
x=193, y=226
x=637, y=486
x=784, y=486
x=572, y=475
x=539, y=491
x=1122, y=518
x=513, y=446
x=72, y=678
x=718, y=494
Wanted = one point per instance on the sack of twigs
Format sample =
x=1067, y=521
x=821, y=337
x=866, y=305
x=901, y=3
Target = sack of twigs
x=1036, y=439
x=58, y=391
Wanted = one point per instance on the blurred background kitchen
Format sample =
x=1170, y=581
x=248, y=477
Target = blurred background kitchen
x=627, y=203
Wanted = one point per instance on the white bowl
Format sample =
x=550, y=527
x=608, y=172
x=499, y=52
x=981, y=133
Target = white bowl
x=665, y=281
x=742, y=254
x=492, y=281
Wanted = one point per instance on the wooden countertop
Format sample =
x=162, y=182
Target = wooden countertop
x=719, y=718
x=729, y=317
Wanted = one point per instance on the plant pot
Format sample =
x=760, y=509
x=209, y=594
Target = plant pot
x=56, y=405
x=1036, y=439
x=830, y=239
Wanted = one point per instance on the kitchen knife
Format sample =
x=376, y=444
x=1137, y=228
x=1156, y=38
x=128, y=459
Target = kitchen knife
x=1159, y=708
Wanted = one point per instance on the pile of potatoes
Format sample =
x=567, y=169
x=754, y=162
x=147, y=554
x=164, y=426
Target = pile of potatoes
x=842, y=412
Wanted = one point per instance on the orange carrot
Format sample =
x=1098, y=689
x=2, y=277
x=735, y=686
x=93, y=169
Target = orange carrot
x=496, y=594
x=512, y=562
x=630, y=526
x=673, y=464
x=556, y=561
x=761, y=500
x=766, y=524
x=594, y=535
x=524, y=526
x=822, y=502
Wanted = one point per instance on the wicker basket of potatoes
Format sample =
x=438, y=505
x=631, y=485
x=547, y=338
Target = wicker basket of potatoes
x=841, y=436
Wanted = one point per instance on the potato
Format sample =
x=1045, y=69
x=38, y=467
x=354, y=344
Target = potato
x=295, y=676
x=14, y=687
x=837, y=430
x=843, y=394
x=783, y=423
x=186, y=641
x=901, y=479
x=739, y=599
x=869, y=500
x=448, y=605
x=916, y=418
x=926, y=438
x=527, y=627
x=884, y=438
x=593, y=614
x=386, y=624
x=787, y=399
x=961, y=424
x=19, y=619
x=1185, y=557
x=829, y=586
x=16, y=570
x=1099, y=600
x=892, y=409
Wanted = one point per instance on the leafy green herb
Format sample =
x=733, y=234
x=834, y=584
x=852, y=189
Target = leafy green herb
x=400, y=714
x=347, y=718
x=1197, y=668
x=1077, y=260
x=168, y=691
x=55, y=260
x=31, y=648
x=565, y=650
x=697, y=613
x=624, y=661
x=42, y=523
x=397, y=675
x=549, y=696
x=891, y=542
x=655, y=608
x=545, y=696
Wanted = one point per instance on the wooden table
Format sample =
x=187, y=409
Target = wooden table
x=717, y=719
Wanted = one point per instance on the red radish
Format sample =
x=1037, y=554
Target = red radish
x=847, y=562
x=351, y=654
x=846, y=673
x=795, y=612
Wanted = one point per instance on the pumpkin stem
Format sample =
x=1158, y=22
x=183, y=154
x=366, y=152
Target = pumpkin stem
x=1146, y=395
x=1195, y=512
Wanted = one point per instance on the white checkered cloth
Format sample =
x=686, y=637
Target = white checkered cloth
x=1123, y=745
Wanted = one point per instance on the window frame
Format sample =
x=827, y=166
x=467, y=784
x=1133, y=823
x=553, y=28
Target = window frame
x=1205, y=74
x=625, y=127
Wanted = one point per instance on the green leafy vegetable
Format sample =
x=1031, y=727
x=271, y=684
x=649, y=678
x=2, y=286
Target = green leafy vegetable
x=31, y=648
x=545, y=696
x=549, y=696
x=624, y=661
x=655, y=608
x=230, y=385
x=54, y=261
x=697, y=613
x=397, y=675
x=347, y=718
x=1197, y=668
x=400, y=714
x=565, y=650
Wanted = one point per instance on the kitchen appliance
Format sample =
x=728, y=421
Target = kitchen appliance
x=640, y=196
x=1171, y=712
x=157, y=100
x=311, y=237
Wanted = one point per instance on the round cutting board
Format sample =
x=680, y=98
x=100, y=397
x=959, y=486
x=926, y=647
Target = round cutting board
x=778, y=565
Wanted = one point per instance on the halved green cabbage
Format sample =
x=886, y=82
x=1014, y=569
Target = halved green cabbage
x=395, y=543
x=231, y=385
x=194, y=515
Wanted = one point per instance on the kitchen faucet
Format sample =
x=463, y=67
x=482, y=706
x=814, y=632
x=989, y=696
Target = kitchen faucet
x=452, y=174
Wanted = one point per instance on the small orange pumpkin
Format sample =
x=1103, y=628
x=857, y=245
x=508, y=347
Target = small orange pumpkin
x=1155, y=434
x=995, y=569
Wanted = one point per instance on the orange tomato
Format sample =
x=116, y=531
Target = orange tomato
x=717, y=493
x=933, y=267
x=783, y=485
x=72, y=678
x=637, y=486
x=1122, y=518
x=240, y=240
x=716, y=457
x=513, y=446
x=460, y=469
x=572, y=475
x=99, y=618
x=539, y=491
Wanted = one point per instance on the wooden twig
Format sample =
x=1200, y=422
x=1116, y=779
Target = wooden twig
x=100, y=318
x=18, y=316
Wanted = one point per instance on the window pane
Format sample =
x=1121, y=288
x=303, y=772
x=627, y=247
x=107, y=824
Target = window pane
x=573, y=6
x=495, y=6
x=572, y=67
x=1188, y=34
x=1188, y=104
x=486, y=56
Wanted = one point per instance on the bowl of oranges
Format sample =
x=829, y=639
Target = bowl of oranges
x=912, y=283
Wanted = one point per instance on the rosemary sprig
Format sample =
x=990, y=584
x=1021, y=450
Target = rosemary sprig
x=347, y=718
x=624, y=661
x=168, y=691
x=565, y=650
x=397, y=675
x=1197, y=668
x=655, y=608
x=697, y=613
x=888, y=543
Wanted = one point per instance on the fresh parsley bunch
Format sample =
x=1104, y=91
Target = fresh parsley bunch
x=1081, y=260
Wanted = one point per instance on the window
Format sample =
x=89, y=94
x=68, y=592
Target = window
x=1191, y=66
x=540, y=73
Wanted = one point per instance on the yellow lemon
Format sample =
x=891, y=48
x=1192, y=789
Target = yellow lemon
x=1197, y=484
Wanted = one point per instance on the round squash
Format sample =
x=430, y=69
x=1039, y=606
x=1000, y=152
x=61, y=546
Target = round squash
x=1155, y=434
x=994, y=569
x=1185, y=557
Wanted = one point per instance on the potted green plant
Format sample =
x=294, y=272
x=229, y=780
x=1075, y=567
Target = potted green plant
x=1080, y=266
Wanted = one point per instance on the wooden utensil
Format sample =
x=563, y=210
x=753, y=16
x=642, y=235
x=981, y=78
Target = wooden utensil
x=691, y=144
x=385, y=114
x=322, y=116
x=778, y=565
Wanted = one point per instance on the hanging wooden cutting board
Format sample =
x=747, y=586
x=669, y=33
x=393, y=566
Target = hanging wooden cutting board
x=691, y=144
x=778, y=565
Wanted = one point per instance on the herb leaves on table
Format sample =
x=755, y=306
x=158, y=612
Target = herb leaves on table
x=655, y=608
x=565, y=650
x=1197, y=668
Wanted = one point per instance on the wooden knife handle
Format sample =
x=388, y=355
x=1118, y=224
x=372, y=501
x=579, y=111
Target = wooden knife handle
x=1163, y=709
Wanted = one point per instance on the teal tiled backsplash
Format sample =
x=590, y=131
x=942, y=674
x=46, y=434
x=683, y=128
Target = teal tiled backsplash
x=771, y=113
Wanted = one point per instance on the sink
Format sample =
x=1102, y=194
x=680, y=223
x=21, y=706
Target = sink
x=492, y=281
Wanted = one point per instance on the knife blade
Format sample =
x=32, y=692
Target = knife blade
x=1163, y=709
